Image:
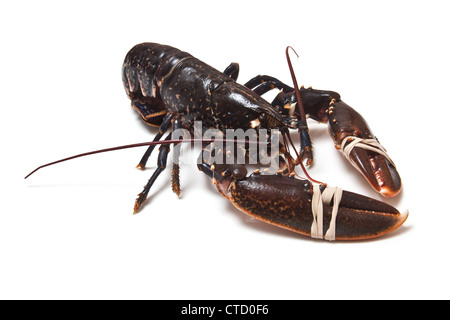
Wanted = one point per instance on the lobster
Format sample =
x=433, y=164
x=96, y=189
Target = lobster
x=165, y=84
x=172, y=90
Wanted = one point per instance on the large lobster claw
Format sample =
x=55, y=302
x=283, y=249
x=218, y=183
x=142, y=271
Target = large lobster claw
x=354, y=138
x=290, y=203
x=351, y=135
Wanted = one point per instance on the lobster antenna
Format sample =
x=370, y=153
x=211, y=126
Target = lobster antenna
x=303, y=128
x=301, y=110
x=134, y=145
x=288, y=138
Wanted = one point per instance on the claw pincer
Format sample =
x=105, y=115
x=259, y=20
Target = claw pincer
x=353, y=137
x=287, y=202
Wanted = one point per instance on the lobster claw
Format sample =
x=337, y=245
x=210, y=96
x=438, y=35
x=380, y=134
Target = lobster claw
x=354, y=138
x=287, y=202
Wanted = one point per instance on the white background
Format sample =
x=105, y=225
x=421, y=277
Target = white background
x=68, y=231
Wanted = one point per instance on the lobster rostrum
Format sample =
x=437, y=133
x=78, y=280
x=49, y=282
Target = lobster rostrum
x=171, y=89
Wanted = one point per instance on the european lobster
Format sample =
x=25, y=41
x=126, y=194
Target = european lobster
x=171, y=89
x=165, y=84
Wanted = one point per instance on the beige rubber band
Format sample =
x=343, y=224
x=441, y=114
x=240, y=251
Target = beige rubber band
x=368, y=144
x=317, y=210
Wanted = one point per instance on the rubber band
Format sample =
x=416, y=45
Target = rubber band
x=368, y=144
x=318, y=199
x=317, y=211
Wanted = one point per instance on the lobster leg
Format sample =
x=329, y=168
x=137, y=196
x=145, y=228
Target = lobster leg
x=232, y=70
x=162, y=130
x=162, y=160
x=286, y=202
x=161, y=166
x=176, y=166
x=261, y=79
x=264, y=88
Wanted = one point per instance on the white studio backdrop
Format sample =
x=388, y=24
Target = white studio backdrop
x=68, y=231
